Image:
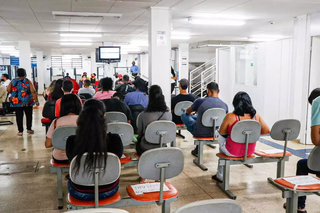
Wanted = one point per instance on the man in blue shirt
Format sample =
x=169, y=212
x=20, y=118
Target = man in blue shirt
x=194, y=123
x=134, y=69
x=138, y=97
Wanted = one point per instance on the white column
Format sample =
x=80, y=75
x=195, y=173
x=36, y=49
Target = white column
x=93, y=63
x=300, y=73
x=24, y=57
x=183, y=61
x=40, y=71
x=160, y=50
x=108, y=69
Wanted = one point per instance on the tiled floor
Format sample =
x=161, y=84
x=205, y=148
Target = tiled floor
x=29, y=189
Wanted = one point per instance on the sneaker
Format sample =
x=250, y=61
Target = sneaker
x=194, y=153
x=30, y=132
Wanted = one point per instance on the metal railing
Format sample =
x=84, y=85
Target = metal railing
x=201, y=76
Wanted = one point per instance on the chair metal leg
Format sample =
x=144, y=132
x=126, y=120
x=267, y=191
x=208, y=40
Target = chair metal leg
x=59, y=185
x=212, y=146
x=224, y=186
x=280, y=168
x=165, y=207
x=249, y=166
x=199, y=161
x=292, y=203
x=180, y=135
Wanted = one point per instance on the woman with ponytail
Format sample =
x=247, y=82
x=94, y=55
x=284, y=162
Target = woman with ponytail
x=243, y=110
x=92, y=138
x=156, y=110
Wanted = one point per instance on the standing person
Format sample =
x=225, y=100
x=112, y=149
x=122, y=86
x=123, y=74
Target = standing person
x=67, y=76
x=134, y=69
x=5, y=79
x=183, y=96
x=194, y=122
x=139, y=96
x=23, y=97
x=3, y=94
x=57, y=91
x=173, y=79
x=125, y=87
x=87, y=89
x=106, y=85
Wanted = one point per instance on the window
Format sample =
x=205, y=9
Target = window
x=66, y=61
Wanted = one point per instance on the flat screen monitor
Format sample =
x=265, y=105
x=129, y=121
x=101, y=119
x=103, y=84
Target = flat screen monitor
x=110, y=53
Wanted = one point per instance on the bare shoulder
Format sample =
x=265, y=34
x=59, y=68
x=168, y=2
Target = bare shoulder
x=230, y=117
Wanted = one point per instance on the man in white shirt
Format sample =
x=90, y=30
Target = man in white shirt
x=86, y=88
x=5, y=80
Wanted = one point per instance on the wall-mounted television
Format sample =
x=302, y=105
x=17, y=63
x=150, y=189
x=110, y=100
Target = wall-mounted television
x=110, y=53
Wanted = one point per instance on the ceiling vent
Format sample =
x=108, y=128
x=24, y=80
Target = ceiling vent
x=85, y=15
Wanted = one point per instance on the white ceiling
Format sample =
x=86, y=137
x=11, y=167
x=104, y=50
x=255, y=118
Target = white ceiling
x=32, y=19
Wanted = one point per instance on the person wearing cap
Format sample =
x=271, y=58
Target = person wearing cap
x=119, y=81
x=139, y=96
x=183, y=96
x=134, y=69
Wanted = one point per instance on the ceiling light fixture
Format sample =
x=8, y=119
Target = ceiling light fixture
x=75, y=44
x=180, y=37
x=96, y=35
x=216, y=22
x=7, y=48
x=85, y=14
x=76, y=40
x=221, y=16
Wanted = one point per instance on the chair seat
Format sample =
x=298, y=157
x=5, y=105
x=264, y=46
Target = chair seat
x=221, y=155
x=153, y=196
x=45, y=120
x=55, y=164
x=107, y=201
x=282, y=182
x=126, y=159
x=203, y=138
x=180, y=125
x=276, y=155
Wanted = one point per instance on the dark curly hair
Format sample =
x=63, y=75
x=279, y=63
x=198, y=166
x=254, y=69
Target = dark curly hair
x=242, y=105
x=156, y=100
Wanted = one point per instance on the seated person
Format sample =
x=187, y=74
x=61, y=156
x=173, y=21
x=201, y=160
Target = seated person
x=194, y=122
x=3, y=94
x=119, y=81
x=49, y=90
x=105, y=92
x=92, y=138
x=125, y=87
x=156, y=110
x=70, y=110
x=57, y=92
x=139, y=96
x=183, y=96
x=115, y=104
x=243, y=110
x=86, y=88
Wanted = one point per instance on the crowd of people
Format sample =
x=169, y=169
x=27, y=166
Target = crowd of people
x=86, y=109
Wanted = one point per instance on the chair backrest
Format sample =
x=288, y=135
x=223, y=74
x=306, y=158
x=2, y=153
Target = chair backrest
x=87, y=96
x=280, y=129
x=243, y=128
x=135, y=111
x=60, y=136
x=314, y=159
x=137, y=120
x=106, y=176
x=49, y=109
x=115, y=117
x=124, y=130
x=160, y=132
x=147, y=166
x=213, y=117
x=181, y=107
x=99, y=210
x=211, y=206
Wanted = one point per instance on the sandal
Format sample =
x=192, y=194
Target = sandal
x=214, y=177
x=299, y=211
x=30, y=132
x=20, y=134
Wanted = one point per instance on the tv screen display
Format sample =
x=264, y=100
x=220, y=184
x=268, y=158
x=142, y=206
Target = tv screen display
x=111, y=53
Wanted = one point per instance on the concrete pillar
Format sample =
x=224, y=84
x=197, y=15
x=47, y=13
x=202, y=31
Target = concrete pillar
x=40, y=71
x=183, y=59
x=93, y=62
x=160, y=50
x=24, y=57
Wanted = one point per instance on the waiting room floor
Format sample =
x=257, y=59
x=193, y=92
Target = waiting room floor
x=26, y=184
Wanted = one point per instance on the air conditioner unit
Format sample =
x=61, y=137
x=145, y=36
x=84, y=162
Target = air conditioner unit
x=85, y=14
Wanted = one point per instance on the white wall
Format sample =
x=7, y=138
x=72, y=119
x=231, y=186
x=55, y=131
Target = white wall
x=198, y=55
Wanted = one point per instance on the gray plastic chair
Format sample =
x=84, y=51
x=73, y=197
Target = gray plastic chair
x=137, y=120
x=161, y=164
x=211, y=118
x=98, y=175
x=100, y=210
x=211, y=206
x=59, y=140
x=161, y=132
x=124, y=130
x=115, y=117
x=180, y=108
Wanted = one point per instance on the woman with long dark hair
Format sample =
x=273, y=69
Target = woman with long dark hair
x=243, y=110
x=92, y=138
x=156, y=110
x=106, y=85
x=57, y=91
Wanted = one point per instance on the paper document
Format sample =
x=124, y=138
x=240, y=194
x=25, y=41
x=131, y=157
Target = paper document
x=272, y=151
x=302, y=180
x=148, y=187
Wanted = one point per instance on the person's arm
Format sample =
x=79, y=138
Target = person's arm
x=315, y=135
x=48, y=143
x=189, y=111
x=194, y=107
x=70, y=147
x=264, y=127
x=225, y=124
x=34, y=93
x=9, y=88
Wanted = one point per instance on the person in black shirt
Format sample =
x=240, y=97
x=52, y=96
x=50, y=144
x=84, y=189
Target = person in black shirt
x=115, y=104
x=183, y=96
x=125, y=87
x=173, y=79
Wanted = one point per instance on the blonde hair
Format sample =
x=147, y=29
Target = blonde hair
x=51, y=86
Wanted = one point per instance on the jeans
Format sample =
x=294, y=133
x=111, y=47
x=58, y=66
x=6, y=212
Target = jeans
x=189, y=121
x=89, y=197
x=222, y=149
x=302, y=169
x=19, y=117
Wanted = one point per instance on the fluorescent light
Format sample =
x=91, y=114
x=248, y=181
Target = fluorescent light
x=80, y=35
x=7, y=48
x=180, y=37
x=221, y=16
x=76, y=40
x=85, y=14
x=217, y=22
x=75, y=44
